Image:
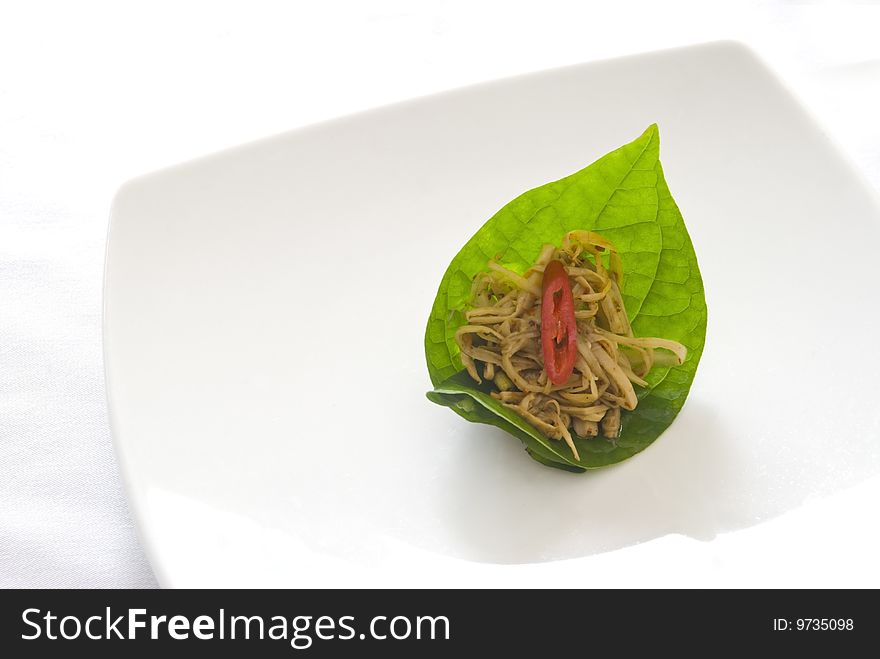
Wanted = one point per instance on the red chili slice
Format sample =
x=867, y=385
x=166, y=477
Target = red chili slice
x=558, y=326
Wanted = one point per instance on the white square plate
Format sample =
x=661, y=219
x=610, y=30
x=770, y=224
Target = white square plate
x=265, y=311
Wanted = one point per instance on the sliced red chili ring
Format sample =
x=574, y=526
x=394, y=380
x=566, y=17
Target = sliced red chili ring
x=558, y=326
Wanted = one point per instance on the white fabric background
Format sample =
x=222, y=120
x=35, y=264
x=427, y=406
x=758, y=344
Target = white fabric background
x=94, y=93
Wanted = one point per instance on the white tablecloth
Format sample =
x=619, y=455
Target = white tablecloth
x=94, y=93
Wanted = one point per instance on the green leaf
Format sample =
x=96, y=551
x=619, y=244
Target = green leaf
x=624, y=197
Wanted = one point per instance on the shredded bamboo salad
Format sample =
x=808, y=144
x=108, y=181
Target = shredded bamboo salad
x=556, y=341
